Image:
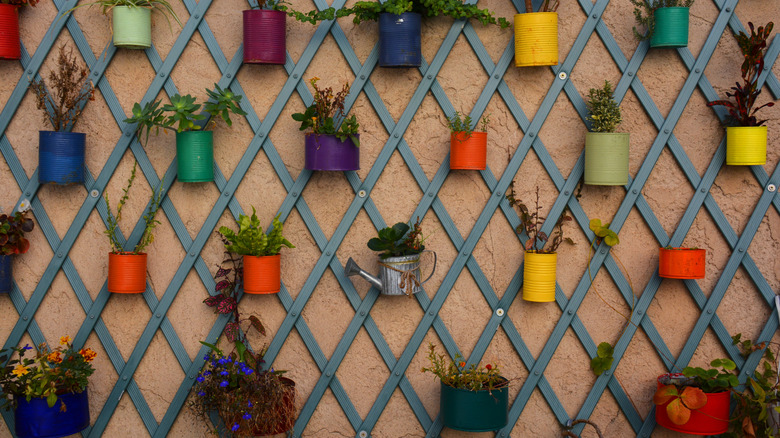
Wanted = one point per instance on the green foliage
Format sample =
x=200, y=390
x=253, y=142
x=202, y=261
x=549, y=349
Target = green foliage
x=161, y=6
x=711, y=379
x=320, y=117
x=531, y=224
x=603, y=360
x=370, y=10
x=603, y=232
x=603, y=111
x=463, y=125
x=644, y=14
x=457, y=375
x=19, y=2
x=12, y=229
x=47, y=374
x=251, y=240
x=181, y=112
x=149, y=221
x=398, y=241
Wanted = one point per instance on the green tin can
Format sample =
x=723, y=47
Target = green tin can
x=474, y=411
x=132, y=27
x=671, y=27
x=195, y=156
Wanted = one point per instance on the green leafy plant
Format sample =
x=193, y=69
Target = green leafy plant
x=251, y=240
x=45, y=375
x=691, y=393
x=117, y=247
x=12, y=229
x=320, y=117
x=456, y=374
x=63, y=96
x=19, y=2
x=182, y=112
x=370, y=10
x=603, y=111
x=749, y=419
x=398, y=240
x=741, y=111
x=603, y=360
x=459, y=124
x=531, y=224
x=644, y=13
x=161, y=6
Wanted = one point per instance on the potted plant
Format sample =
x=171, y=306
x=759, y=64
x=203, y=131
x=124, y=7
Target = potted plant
x=250, y=400
x=536, y=35
x=127, y=269
x=756, y=410
x=9, y=27
x=683, y=263
x=473, y=398
x=400, y=20
x=468, y=149
x=62, y=98
x=540, y=252
x=194, y=147
x=262, y=262
x=12, y=241
x=746, y=135
x=131, y=22
x=665, y=21
x=328, y=145
x=696, y=401
x=49, y=390
x=606, y=151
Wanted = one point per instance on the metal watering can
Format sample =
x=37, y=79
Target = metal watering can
x=397, y=275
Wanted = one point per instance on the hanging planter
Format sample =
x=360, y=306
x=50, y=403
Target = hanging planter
x=400, y=40
x=9, y=32
x=711, y=419
x=262, y=274
x=683, y=263
x=284, y=412
x=474, y=411
x=536, y=39
x=132, y=27
x=539, y=277
x=746, y=145
x=327, y=152
x=6, y=274
x=61, y=157
x=126, y=273
x=35, y=419
x=671, y=27
x=264, y=36
x=195, y=156
x=468, y=152
x=606, y=158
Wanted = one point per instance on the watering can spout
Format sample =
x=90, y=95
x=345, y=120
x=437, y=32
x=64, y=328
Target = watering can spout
x=352, y=269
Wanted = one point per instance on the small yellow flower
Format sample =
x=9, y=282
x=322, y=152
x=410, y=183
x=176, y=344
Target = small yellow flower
x=64, y=340
x=87, y=354
x=20, y=370
x=54, y=357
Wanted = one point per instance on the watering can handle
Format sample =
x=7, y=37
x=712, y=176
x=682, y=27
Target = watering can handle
x=434, y=267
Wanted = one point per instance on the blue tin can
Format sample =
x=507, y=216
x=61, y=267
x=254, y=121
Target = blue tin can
x=61, y=157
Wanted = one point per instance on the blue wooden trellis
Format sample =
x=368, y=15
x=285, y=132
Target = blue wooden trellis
x=362, y=201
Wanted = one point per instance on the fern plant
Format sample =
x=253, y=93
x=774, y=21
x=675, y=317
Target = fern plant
x=251, y=240
x=603, y=111
x=117, y=247
x=463, y=125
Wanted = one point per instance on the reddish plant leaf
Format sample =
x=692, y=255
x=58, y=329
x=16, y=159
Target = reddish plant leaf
x=664, y=394
x=693, y=398
x=231, y=331
x=213, y=300
x=257, y=324
x=677, y=412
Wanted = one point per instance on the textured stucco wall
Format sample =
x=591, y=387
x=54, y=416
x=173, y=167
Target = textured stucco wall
x=464, y=194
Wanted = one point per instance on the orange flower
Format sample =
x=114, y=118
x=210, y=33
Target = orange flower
x=64, y=340
x=462, y=364
x=87, y=354
x=20, y=370
x=54, y=357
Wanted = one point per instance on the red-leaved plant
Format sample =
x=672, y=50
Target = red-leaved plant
x=19, y=2
x=741, y=111
x=12, y=229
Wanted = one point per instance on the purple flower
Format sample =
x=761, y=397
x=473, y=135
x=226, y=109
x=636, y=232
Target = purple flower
x=207, y=373
x=248, y=371
x=200, y=379
x=223, y=383
x=247, y=416
x=201, y=394
x=235, y=427
x=27, y=347
x=249, y=403
x=224, y=373
x=206, y=357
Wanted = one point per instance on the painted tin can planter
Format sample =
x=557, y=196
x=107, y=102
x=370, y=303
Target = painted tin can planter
x=6, y=274
x=126, y=273
x=9, y=32
x=262, y=274
x=35, y=419
x=61, y=157
x=468, y=152
x=606, y=158
x=683, y=263
x=711, y=419
x=746, y=145
x=539, y=277
x=132, y=27
x=264, y=36
x=536, y=39
x=400, y=40
x=474, y=411
x=671, y=27
x=195, y=156
x=327, y=152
